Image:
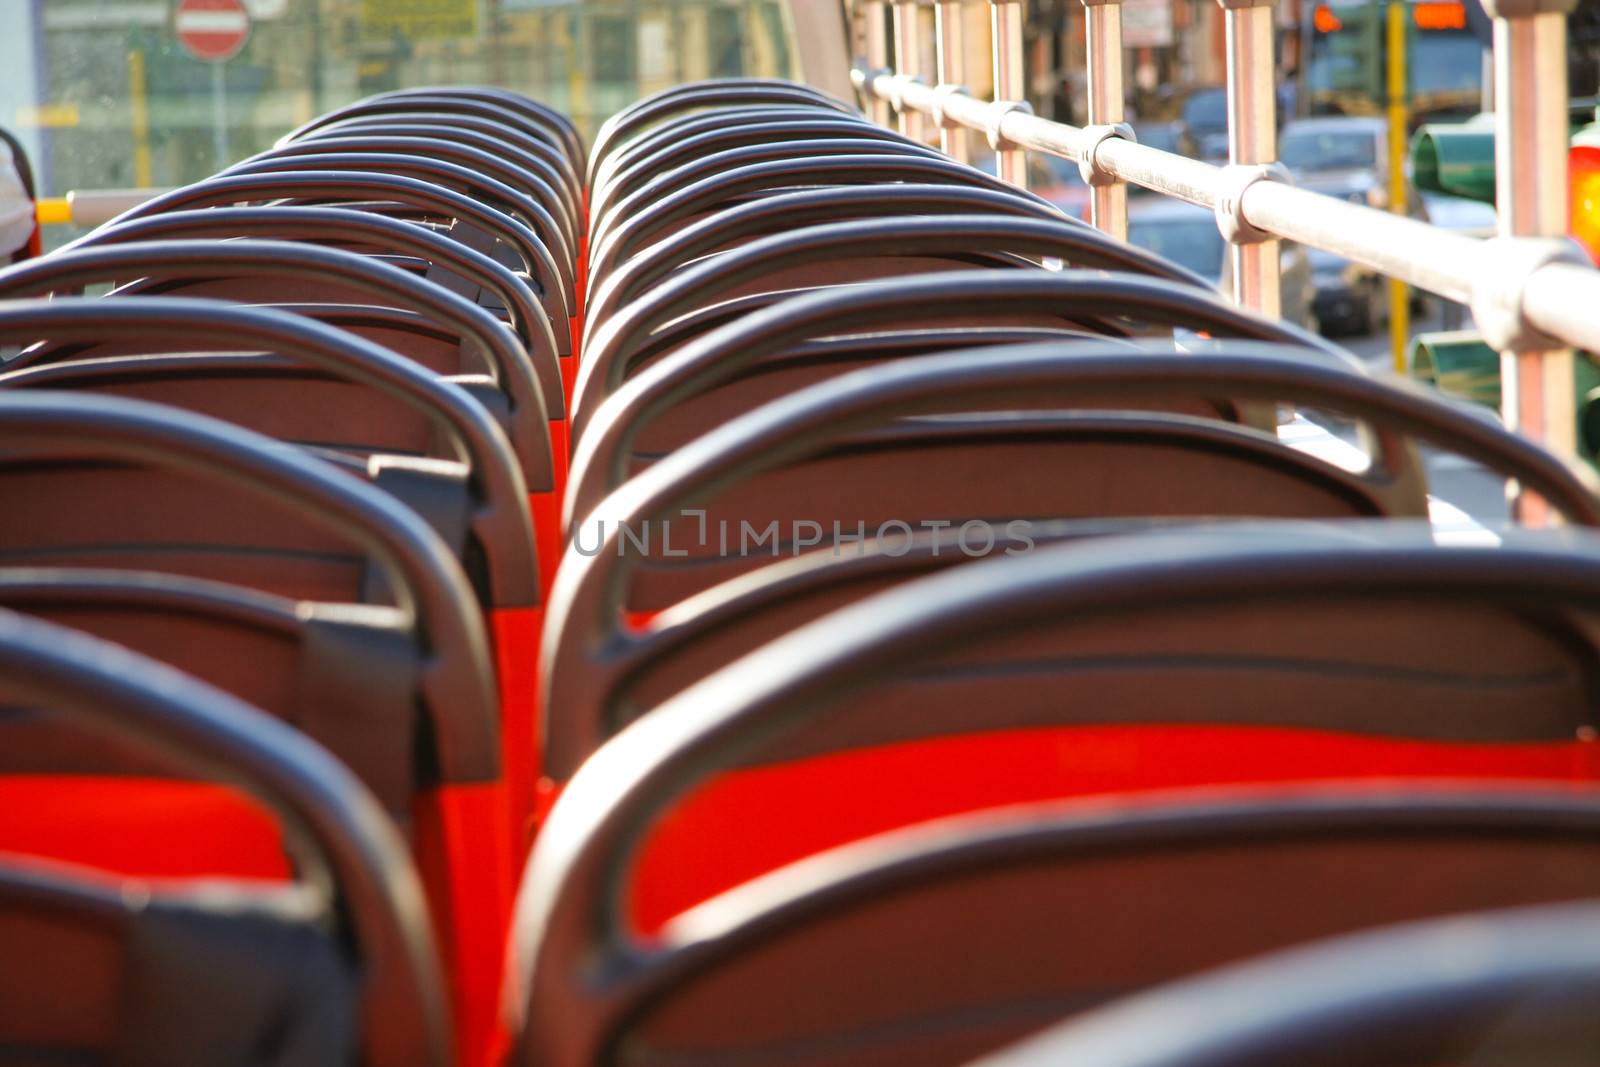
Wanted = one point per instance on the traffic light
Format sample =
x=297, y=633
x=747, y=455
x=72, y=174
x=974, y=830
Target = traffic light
x=1460, y=364
x=1456, y=159
x=1583, y=177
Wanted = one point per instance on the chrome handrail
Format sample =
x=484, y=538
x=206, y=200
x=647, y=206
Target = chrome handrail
x=1532, y=292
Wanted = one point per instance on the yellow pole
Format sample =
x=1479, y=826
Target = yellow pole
x=52, y=211
x=577, y=74
x=1399, y=294
x=139, y=119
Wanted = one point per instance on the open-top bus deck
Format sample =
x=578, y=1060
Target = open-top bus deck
x=748, y=585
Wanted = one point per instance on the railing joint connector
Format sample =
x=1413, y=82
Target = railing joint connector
x=1093, y=137
x=1498, y=289
x=1232, y=182
x=996, y=115
x=863, y=77
x=941, y=93
x=897, y=89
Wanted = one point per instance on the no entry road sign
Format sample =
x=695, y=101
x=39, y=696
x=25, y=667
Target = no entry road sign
x=211, y=30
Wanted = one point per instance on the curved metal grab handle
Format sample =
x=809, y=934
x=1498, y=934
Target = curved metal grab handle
x=537, y=156
x=696, y=96
x=1351, y=998
x=75, y=268
x=456, y=677
x=533, y=110
x=698, y=90
x=729, y=161
x=611, y=353
x=694, y=91
x=633, y=234
x=334, y=826
x=573, y=891
x=436, y=172
x=695, y=124
x=636, y=171
x=361, y=186
x=425, y=103
x=525, y=181
x=823, y=415
x=296, y=223
x=538, y=147
x=783, y=212
x=588, y=602
x=599, y=464
x=498, y=495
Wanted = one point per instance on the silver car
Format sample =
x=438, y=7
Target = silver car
x=1345, y=157
x=1188, y=236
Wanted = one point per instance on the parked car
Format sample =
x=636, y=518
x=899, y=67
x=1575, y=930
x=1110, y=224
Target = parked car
x=1051, y=177
x=1188, y=235
x=1058, y=181
x=1205, y=120
x=1181, y=232
x=1345, y=157
x=1347, y=297
x=1352, y=299
x=1169, y=136
x=1204, y=117
x=1166, y=136
x=1212, y=148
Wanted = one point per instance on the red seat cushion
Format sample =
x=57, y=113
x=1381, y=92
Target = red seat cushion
x=155, y=828
x=752, y=821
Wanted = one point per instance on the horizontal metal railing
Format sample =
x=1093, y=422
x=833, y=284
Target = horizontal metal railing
x=1531, y=291
x=1440, y=261
x=90, y=207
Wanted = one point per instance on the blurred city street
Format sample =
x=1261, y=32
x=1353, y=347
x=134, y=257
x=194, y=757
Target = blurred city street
x=1452, y=479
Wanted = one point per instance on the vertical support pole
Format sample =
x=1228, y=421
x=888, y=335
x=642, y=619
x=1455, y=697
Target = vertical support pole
x=139, y=119
x=1010, y=83
x=875, y=30
x=577, y=71
x=219, y=116
x=1531, y=143
x=1399, y=292
x=952, y=61
x=908, y=62
x=497, y=48
x=1252, y=138
x=1108, y=206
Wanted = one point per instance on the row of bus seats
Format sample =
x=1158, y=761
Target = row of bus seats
x=307, y=446
x=833, y=789
x=965, y=625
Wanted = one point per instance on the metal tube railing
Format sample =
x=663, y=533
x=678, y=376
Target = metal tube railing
x=1108, y=204
x=875, y=38
x=1252, y=140
x=1530, y=294
x=908, y=62
x=1530, y=77
x=1010, y=90
x=1440, y=261
x=951, y=28
x=91, y=207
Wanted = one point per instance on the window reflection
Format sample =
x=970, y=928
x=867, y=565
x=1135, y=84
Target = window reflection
x=81, y=73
